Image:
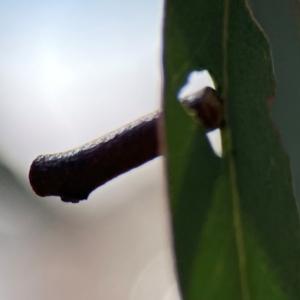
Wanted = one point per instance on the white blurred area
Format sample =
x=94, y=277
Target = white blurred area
x=195, y=81
x=70, y=72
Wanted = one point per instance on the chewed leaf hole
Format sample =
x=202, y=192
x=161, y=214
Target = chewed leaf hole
x=197, y=80
x=214, y=138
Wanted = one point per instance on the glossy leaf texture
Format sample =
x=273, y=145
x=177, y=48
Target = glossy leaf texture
x=235, y=220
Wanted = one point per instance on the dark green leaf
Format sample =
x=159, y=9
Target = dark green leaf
x=235, y=221
x=281, y=21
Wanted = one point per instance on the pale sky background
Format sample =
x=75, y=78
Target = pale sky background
x=71, y=71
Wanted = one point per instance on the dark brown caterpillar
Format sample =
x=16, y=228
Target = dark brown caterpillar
x=74, y=174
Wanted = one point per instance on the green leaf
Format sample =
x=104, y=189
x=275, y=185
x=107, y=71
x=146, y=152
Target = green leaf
x=235, y=220
x=281, y=21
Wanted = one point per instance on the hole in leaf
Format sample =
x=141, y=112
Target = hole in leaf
x=214, y=138
x=198, y=80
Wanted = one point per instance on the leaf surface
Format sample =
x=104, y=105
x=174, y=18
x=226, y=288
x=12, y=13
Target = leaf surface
x=281, y=21
x=235, y=220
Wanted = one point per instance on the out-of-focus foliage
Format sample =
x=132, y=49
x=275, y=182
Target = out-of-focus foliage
x=281, y=22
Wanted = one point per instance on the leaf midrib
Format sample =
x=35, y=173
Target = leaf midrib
x=227, y=150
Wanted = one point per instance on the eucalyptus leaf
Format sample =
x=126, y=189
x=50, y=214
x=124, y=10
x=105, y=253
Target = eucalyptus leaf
x=235, y=219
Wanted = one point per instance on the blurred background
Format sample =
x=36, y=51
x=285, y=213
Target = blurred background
x=71, y=71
